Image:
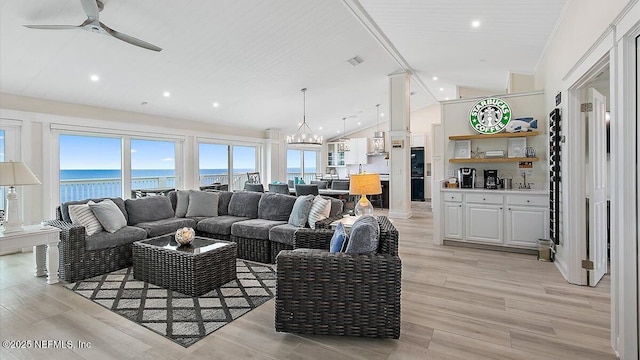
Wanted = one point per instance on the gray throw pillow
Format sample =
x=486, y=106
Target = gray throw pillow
x=300, y=212
x=203, y=203
x=109, y=215
x=182, y=203
x=149, y=208
x=364, y=237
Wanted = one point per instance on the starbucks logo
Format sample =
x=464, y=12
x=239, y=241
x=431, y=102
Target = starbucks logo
x=490, y=115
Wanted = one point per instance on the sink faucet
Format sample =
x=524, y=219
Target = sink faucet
x=524, y=184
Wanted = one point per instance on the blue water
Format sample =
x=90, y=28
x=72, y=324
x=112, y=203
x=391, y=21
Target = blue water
x=116, y=174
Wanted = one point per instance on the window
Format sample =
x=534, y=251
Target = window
x=216, y=166
x=244, y=161
x=153, y=164
x=302, y=164
x=90, y=167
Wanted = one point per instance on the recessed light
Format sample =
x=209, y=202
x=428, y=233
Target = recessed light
x=359, y=123
x=166, y=94
x=94, y=78
x=320, y=128
x=299, y=124
x=215, y=104
x=338, y=131
x=382, y=114
x=441, y=89
x=447, y=98
x=435, y=78
x=475, y=23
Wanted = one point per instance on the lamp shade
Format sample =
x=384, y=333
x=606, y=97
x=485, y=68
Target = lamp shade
x=16, y=173
x=365, y=184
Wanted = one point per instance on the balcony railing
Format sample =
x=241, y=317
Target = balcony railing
x=79, y=189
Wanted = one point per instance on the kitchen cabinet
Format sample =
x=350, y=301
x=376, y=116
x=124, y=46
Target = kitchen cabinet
x=418, y=140
x=452, y=211
x=484, y=223
x=510, y=218
x=335, y=157
x=357, y=154
x=526, y=215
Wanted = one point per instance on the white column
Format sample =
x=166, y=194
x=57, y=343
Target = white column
x=275, y=157
x=400, y=154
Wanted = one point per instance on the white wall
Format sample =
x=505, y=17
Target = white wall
x=589, y=31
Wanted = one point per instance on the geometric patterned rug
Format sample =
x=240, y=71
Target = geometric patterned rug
x=176, y=316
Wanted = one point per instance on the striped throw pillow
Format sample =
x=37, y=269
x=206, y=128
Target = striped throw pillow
x=82, y=215
x=320, y=210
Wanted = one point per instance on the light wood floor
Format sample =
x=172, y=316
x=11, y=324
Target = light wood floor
x=456, y=304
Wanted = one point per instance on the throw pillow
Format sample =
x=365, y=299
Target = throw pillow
x=182, y=203
x=339, y=239
x=82, y=215
x=108, y=214
x=320, y=210
x=365, y=234
x=300, y=212
x=203, y=203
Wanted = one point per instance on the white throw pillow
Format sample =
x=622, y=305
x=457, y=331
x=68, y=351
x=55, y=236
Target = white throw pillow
x=320, y=210
x=82, y=215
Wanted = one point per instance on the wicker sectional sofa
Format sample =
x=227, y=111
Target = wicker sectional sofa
x=256, y=221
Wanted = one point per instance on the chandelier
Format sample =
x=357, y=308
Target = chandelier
x=343, y=142
x=378, y=136
x=304, y=135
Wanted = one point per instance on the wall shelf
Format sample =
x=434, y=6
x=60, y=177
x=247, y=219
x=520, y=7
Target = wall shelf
x=494, y=136
x=494, y=160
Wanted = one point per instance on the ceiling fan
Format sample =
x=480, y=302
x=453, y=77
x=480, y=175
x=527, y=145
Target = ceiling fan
x=93, y=24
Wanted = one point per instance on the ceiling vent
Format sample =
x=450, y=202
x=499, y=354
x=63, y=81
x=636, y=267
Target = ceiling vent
x=355, y=61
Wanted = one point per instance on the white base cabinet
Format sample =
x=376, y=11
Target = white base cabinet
x=507, y=218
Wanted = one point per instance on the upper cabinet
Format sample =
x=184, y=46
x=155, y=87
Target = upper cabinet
x=334, y=156
x=357, y=154
x=418, y=140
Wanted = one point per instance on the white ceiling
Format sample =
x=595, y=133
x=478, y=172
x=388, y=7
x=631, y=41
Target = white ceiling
x=253, y=57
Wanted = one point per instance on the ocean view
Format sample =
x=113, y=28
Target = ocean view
x=85, y=184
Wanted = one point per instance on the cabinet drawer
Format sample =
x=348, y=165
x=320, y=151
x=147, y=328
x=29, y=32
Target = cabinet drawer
x=453, y=197
x=484, y=198
x=528, y=200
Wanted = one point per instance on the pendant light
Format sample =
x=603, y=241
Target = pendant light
x=378, y=136
x=343, y=142
x=304, y=135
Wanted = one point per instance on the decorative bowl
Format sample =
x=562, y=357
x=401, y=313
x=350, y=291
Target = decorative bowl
x=185, y=236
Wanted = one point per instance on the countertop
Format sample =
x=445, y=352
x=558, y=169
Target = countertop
x=498, y=191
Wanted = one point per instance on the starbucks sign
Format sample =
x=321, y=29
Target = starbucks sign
x=490, y=115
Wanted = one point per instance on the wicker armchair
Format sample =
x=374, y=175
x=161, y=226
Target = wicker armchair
x=77, y=263
x=336, y=293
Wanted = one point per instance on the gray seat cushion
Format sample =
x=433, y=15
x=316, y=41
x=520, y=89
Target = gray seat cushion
x=148, y=209
x=165, y=226
x=105, y=240
x=219, y=225
x=275, y=206
x=245, y=204
x=254, y=228
x=64, y=208
x=337, y=206
x=283, y=234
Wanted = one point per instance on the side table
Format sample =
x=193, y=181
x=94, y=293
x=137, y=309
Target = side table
x=41, y=238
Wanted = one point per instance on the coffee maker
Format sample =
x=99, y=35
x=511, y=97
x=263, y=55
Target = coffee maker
x=467, y=178
x=491, y=179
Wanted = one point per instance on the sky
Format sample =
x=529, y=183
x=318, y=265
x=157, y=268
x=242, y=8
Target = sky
x=97, y=153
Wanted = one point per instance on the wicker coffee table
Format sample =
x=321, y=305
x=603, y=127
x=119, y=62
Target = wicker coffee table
x=194, y=270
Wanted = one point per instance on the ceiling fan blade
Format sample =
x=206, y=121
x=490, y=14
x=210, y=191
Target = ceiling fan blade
x=130, y=39
x=91, y=9
x=52, y=27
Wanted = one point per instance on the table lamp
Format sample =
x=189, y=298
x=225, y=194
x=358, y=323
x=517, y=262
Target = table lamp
x=364, y=184
x=12, y=174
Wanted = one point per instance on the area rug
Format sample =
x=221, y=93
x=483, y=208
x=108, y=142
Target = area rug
x=176, y=316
